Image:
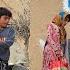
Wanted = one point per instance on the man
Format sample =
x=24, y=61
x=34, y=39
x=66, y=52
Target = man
x=7, y=35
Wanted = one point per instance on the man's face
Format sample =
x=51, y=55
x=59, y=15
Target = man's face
x=4, y=20
x=64, y=23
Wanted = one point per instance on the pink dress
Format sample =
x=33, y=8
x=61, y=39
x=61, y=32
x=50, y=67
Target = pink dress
x=53, y=40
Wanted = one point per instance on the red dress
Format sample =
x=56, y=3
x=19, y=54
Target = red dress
x=59, y=65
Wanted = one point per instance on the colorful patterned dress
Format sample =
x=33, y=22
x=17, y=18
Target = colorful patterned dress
x=53, y=44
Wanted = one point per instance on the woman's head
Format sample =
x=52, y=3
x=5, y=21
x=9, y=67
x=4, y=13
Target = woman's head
x=66, y=19
x=57, y=20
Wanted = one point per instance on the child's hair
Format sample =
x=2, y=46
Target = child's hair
x=67, y=18
x=5, y=11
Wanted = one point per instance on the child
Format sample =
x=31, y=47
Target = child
x=7, y=35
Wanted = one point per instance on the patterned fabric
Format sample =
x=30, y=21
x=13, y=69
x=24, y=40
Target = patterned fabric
x=62, y=35
x=53, y=44
x=59, y=64
x=63, y=39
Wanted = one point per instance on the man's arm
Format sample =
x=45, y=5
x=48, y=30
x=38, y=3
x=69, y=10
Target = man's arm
x=9, y=40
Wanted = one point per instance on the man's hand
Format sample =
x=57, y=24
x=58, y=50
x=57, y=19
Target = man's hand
x=2, y=39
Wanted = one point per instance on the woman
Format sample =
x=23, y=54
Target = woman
x=56, y=37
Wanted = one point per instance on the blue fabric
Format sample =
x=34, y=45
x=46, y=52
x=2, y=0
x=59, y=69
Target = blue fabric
x=69, y=3
x=9, y=34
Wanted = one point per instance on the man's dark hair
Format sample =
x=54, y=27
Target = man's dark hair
x=5, y=11
x=67, y=18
